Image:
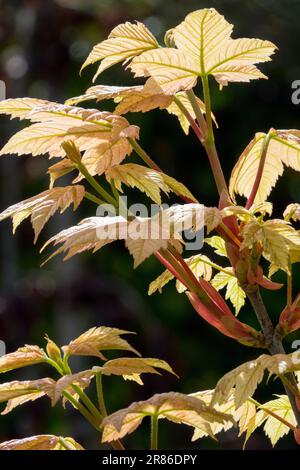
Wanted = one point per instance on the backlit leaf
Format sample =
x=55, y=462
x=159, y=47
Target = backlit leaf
x=246, y=378
x=233, y=291
x=175, y=407
x=283, y=149
x=42, y=442
x=277, y=238
x=42, y=206
x=147, y=180
x=124, y=42
x=96, y=340
x=25, y=356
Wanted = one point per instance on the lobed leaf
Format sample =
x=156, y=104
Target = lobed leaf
x=41, y=442
x=96, y=340
x=283, y=150
x=26, y=356
x=149, y=181
x=246, y=378
x=124, y=42
x=42, y=206
x=233, y=291
x=175, y=407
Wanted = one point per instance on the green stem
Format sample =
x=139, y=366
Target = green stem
x=117, y=445
x=65, y=444
x=103, y=193
x=88, y=403
x=100, y=394
x=144, y=156
x=85, y=413
x=93, y=198
x=55, y=365
x=154, y=432
x=209, y=142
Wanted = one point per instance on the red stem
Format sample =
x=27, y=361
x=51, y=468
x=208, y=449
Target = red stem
x=260, y=171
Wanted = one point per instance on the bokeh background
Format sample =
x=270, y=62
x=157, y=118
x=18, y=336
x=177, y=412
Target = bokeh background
x=42, y=46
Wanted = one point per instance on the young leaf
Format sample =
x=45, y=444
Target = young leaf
x=21, y=107
x=59, y=169
x=170, y=71
x=24, y=389
x=246, y=378
x=96, y=340
x=233, y=291
x=131, y=367
x=42, y=442
x=129, y=98
x=147, y=180
x=42, y=206
x=277, y=238
x=143, y=236
x=25, y=356
x=57, y=123
x=218, y=244
x=274, y=428
x=283, y=149
x=112, y=152
x=243, y=415
x=204, y=47
x=13, y=403
x=160, y=282
x=124, y=42
x=175, y=407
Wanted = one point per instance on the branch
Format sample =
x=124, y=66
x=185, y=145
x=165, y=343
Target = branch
x=274, y=345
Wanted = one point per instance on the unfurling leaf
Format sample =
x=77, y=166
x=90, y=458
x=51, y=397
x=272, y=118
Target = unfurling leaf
x=25, y=356
x=277, y=239
x=42, y=442
x=246, y=378
x=124, y=42
x=96, y=340
x=289, y=320
x=147, y=180
x=233, y=291
x=175, y=407
x=42, y=206
x=283, y=149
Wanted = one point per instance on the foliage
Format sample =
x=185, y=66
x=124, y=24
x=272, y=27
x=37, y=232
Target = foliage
x=94, y=144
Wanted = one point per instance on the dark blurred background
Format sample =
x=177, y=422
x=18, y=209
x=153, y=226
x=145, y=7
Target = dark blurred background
x=42, y=46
